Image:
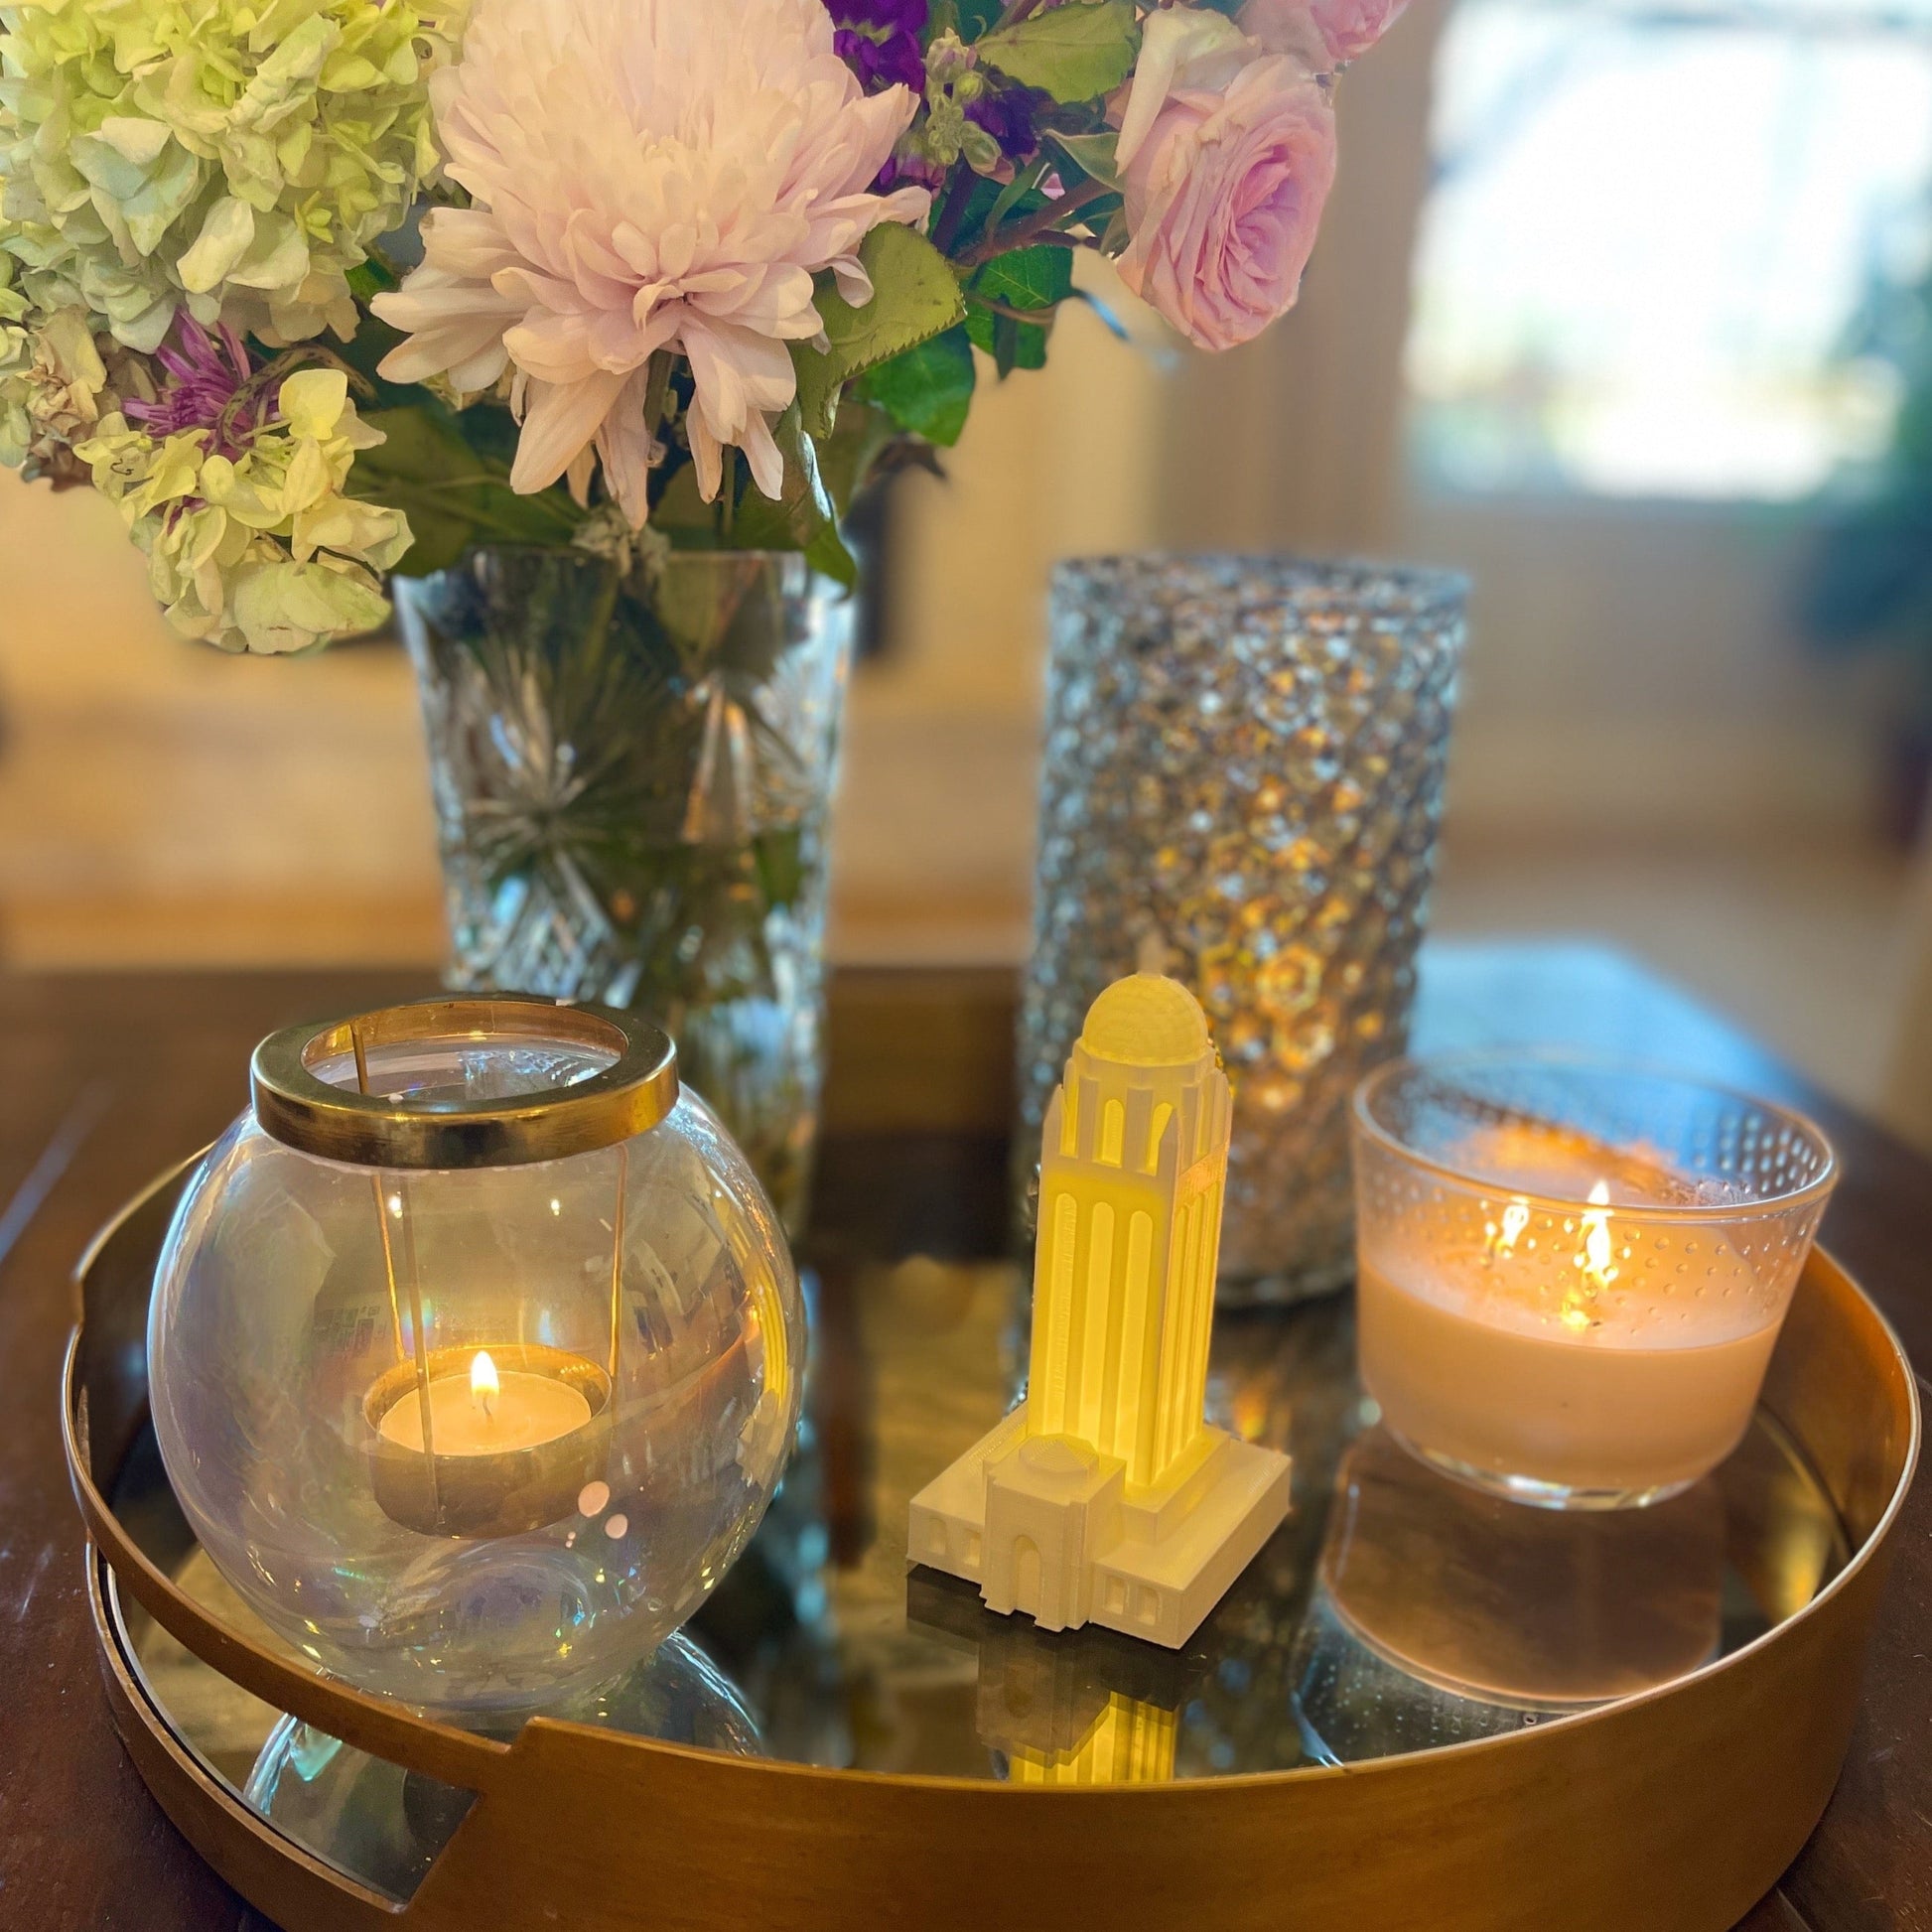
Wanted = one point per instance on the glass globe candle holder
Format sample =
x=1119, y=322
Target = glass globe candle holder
x=474, y=1350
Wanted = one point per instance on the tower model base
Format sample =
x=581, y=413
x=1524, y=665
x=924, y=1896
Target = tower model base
x=1046, y=1525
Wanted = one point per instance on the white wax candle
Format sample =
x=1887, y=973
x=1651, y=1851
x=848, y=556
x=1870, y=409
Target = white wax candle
x=1589, y=1410
x=524, y=1412
x=1596, y=1348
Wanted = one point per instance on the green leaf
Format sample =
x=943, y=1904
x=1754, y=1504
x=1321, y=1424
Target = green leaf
x=683, y=516
x=490, y=430
x=927, y=390
x=1012, y=344
x=1024, y=187
x=370, y=278
x=803, y=516
x=982, y=196
x=1093, y=153
x=969, y=19
x=1028, y=278
x=820, y=383
x=453, y=496
x=791, y=520
x=845, y=457
x=781, y=860
x=827, y=554
x=1074, y=52
x=916, y=296
x=1039, y=278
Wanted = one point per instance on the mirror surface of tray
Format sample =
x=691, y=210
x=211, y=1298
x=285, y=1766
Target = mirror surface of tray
x=1395, y=1612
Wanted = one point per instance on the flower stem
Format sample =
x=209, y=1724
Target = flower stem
x=1037, y=226
x=597, y=630
x=952, y=210
x=1041, y=317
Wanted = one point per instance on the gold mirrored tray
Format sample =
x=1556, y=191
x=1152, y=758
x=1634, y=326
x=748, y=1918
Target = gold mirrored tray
x=1419, y=1705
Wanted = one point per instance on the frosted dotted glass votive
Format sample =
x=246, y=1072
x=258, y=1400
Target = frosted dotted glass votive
x=1572, y=1274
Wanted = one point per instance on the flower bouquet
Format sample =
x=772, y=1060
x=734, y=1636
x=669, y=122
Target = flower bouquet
x=588, y=321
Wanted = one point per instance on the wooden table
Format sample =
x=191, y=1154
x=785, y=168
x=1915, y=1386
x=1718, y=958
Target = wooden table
x=109, y=1078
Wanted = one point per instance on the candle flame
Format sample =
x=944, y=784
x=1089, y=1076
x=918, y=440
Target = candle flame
x=1503, y=1240
x=1595, y=1261
x=484, y=1384
x=1597, y=1250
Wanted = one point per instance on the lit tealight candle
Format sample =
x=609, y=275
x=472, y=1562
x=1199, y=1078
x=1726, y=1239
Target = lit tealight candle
x=488, y=1412
x=514, y=1439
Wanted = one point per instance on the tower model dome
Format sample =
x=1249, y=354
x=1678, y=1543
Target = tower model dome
x=1147, y=1020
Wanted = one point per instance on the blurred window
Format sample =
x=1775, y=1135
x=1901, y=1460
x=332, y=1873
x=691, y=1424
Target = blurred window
x=1651, y=231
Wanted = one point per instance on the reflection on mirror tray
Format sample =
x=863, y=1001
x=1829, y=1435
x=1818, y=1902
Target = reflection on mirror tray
x=1393, y=1611
x=1530, y=1608
x=380, y=1824
x=1072, y=1706
x=385, y=1826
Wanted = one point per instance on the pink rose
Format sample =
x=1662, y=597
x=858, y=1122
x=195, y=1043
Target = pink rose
x=1224, y=198
x=1181, y=47
x=1326, y=33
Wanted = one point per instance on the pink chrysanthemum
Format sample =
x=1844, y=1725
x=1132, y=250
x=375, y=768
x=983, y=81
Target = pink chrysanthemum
x=643, y=175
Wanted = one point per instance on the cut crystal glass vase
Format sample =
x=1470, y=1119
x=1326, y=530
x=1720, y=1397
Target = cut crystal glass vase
x=632, y=766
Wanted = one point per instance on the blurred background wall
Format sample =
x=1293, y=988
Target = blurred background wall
x=1593, y=318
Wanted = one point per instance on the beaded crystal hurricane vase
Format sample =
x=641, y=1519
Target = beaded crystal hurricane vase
x=1242, y=785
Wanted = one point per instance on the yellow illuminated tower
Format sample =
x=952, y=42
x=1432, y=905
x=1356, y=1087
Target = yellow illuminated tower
x=1106, y=1495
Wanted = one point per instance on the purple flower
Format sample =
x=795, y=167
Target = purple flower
x=1008, y=115
x=895, y=61
x=879, y=39
x=909, y=171
x=893, y=16
x=214, y=387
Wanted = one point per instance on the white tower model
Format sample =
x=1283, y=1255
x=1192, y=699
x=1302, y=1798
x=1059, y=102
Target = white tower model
x=1105, y=1496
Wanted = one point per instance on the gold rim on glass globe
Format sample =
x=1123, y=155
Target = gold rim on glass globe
x=299, y=1108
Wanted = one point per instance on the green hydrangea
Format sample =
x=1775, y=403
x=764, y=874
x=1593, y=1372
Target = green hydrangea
x=58, y=377
x=237, y=158
x=16, y=357
x=260, y=550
